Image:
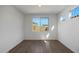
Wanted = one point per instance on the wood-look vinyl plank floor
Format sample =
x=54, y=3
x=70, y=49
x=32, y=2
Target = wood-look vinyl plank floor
x=40, y=46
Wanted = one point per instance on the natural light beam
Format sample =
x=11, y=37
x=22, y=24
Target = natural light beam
x=70, y=15
x=61, y=18
x=45, y=41
x=52, y=28
x=47, y=35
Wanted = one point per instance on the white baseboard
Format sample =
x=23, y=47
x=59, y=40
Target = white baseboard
x=40, y=39
x=66, y=45
x=13, y=46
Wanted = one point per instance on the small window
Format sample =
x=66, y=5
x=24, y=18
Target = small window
x=75, y=12
x=40, y=24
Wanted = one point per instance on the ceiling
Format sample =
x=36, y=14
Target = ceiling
x=36, y=9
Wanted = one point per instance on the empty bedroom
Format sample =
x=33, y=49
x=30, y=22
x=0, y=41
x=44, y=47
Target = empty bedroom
x=39, y=28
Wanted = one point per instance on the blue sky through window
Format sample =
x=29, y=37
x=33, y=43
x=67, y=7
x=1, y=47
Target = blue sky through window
x=75, y=12
x=40, y=21
x=36, y=21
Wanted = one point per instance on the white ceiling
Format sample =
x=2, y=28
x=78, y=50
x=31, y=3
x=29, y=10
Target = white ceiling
x=43, y=9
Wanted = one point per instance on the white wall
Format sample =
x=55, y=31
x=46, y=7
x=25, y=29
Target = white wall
x=40, y=35
x=11, y=28
x=68, y=31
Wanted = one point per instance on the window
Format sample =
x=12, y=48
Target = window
x=75, y=12
x=40, y=24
